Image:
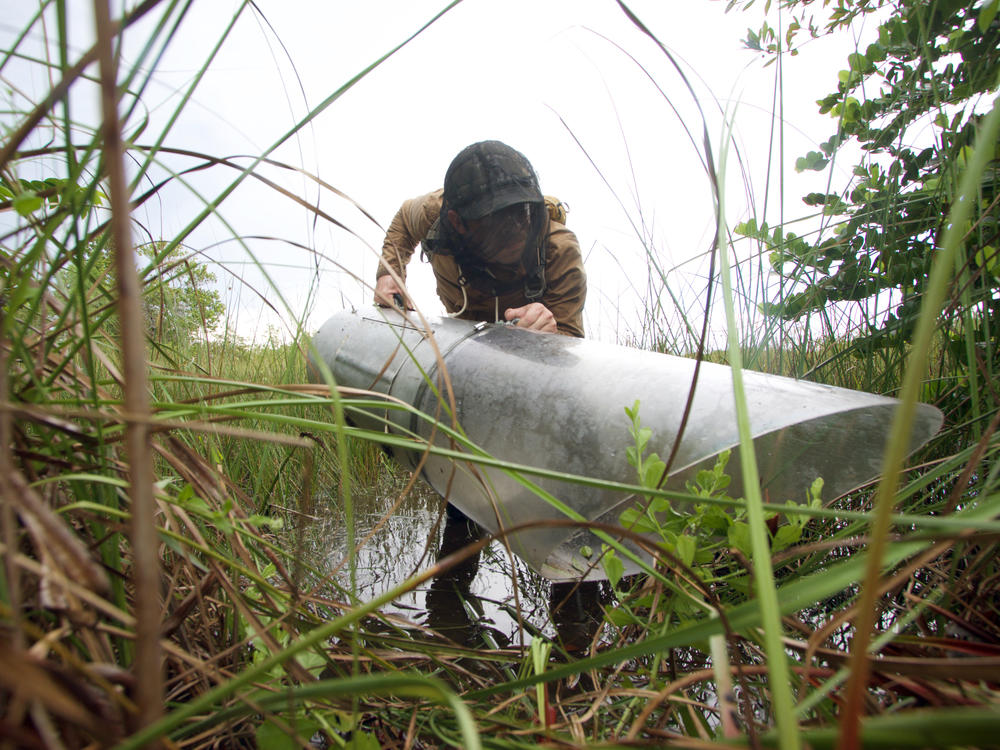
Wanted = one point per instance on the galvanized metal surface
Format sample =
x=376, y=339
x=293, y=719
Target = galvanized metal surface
x=557, y=403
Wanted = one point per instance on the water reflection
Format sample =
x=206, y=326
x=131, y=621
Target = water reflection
x=575, y=608
x=471, y=604
x=452, y=610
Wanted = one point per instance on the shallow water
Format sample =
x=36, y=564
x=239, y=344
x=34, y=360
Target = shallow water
x=474, y=599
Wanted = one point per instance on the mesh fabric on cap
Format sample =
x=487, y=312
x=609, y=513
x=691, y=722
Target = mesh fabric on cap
x=486, y=177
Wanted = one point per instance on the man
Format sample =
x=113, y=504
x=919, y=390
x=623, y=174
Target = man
x=497, y=254
x=495, y=251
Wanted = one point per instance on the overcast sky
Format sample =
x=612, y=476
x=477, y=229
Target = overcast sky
x=537, y=74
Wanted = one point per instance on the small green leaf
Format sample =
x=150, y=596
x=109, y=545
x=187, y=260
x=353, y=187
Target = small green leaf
x=716, y=519
x=642, y=437
x=631, y=455
x=270, y=735
x=875, y=52
x=613, y=566
x=620, y=617
x=816, y=491
x=312, y=661
x=652, y=470
x=686, y=548
x=986, y=257
x=258, y=521
x=857, y=61
x=786, y=536
x=704, y=556
x=363, y=741
x=633, y=412
x=659, y=505
x=27, y=203
x=986, y=15
x=739, y=536
x=640, y=523
x=813, y=161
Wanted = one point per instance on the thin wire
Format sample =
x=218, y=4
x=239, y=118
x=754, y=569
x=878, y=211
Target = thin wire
x=465, y=302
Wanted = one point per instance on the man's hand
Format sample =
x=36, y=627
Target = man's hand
x=534, y=316
x=386, y=289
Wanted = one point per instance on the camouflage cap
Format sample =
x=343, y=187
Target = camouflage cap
x=486, y=177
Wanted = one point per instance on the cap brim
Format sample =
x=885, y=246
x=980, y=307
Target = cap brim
x=506, y=196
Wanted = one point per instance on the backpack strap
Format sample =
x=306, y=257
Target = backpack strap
x=556, y=208
x=433, y=242
x=534, y=282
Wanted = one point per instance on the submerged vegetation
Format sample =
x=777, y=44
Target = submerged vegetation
x=158, y=475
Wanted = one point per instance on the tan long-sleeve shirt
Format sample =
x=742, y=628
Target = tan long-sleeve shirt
x=566, y=280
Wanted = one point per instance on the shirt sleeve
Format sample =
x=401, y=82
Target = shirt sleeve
x=566, y=281
x=408, y=228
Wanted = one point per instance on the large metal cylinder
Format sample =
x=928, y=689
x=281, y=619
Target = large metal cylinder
x=557, y=403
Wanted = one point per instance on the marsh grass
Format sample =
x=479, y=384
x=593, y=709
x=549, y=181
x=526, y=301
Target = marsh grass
x=258, y=645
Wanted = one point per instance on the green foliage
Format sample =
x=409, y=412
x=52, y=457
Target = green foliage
x=271, y=734
x=29, y=197
x=692, y=536
x=233, y=445
x=539, y=651
x=180, y=302
x=703, y=538
x=179, y=298
x=222, y=518
x=694, y=541
x=705, y=530
x=649, y=468
x=912, y=101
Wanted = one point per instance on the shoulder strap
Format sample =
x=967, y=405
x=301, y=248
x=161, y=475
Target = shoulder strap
x=534, y=282
x=433, y=242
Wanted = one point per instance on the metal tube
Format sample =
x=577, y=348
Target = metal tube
x=557, y=403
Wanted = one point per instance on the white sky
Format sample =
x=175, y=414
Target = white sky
x=505, y=70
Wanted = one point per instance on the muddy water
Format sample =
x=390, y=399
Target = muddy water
x=473, y=604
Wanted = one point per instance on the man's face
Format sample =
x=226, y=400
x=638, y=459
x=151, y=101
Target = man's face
x=500, y=238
